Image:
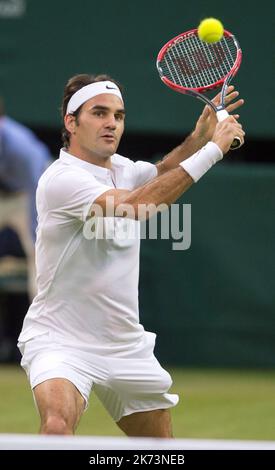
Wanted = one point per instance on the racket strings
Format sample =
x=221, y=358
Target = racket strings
x=191, y=63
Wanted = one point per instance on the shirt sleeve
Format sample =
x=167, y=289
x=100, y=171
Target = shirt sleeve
x=143, y=172
x=71, y=195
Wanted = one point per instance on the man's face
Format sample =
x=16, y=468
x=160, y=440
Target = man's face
x=99, y=126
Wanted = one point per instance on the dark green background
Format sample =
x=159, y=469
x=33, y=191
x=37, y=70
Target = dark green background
x=56, y=39
x=214, y=303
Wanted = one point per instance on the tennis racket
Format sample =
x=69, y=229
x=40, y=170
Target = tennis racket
x=192, y=67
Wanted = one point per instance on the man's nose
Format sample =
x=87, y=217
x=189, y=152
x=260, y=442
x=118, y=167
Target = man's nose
x=111, y=122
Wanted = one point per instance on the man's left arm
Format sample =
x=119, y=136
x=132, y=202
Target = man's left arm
x=202, y=133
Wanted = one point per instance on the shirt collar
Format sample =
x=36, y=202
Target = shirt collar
x=75, y=161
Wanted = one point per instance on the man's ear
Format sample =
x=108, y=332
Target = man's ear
x=69, y=122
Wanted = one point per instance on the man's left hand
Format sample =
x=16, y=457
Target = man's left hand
x=207, y=121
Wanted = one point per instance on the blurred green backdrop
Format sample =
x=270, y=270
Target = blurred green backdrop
x=43, y=43
x=213, y=304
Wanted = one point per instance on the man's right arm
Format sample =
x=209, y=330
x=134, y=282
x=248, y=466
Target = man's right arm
x=164, y=189
x=168, y=187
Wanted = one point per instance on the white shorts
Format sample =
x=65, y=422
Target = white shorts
x=133, y=383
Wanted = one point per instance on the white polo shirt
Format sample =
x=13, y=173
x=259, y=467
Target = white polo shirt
x=87, y=287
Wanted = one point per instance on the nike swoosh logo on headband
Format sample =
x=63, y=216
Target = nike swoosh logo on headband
x=110, y=87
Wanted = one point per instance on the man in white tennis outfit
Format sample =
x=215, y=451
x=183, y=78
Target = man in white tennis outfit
x=82, y=331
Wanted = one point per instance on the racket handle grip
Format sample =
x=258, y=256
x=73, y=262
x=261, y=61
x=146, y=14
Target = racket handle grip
x=221, y=115
x=236, y=143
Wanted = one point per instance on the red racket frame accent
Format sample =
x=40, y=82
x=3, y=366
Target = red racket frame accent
x=186, y=90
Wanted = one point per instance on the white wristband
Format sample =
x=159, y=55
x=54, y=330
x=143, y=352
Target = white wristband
x=199, y=163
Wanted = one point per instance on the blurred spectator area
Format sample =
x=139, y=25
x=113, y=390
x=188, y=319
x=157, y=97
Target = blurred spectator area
x=13, y=293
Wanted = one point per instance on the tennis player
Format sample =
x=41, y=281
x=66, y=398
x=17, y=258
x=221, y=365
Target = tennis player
x=82, y=331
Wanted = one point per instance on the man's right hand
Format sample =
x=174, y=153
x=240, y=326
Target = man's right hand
x=226, y=131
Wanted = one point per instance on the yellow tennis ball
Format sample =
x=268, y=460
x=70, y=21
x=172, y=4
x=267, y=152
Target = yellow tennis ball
x=210, y=30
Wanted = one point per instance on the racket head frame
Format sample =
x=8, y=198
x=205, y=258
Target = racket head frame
x=198, y=92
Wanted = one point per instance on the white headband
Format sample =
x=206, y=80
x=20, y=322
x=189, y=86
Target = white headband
x=89, y=91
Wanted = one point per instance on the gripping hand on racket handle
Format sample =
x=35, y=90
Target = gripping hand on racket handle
x=226, y=131
x=207, y=121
